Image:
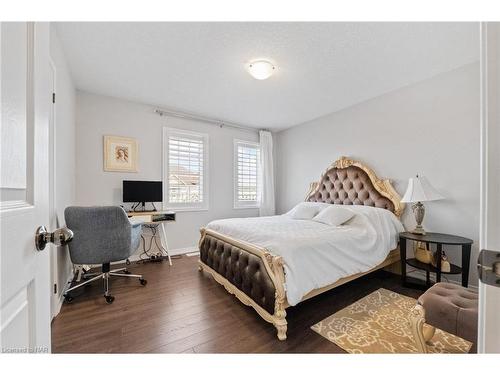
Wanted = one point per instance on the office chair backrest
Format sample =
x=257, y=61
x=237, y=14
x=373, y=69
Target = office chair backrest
x=101, y=234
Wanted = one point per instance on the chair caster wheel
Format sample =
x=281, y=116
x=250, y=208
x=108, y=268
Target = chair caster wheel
x=109, y=299
x=126, y=272
x=68, y=299
x=143, y=281
x=127, y=262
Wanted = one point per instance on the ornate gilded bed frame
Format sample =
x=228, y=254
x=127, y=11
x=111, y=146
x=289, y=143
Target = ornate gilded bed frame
x=257, y=277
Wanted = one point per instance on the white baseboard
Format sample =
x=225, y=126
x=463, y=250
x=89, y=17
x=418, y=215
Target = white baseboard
x=184, y=250
x=172, y=252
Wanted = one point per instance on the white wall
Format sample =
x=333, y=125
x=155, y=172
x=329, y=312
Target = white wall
x=100, y=115
x=430, y=128
x=64, y=151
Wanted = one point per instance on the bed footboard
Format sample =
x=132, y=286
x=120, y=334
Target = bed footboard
x=249, y=272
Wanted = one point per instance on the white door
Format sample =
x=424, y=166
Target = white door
x=489, y=293
x=24, y=182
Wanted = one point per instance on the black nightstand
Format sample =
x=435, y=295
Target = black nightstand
x=439, y=239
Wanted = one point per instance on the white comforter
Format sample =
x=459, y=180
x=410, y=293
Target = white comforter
x=316, y=254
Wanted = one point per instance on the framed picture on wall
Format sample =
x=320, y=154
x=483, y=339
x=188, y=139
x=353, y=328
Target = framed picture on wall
x=120, y=154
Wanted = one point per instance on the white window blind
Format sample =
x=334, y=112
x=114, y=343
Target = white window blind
x=186, y=174
x=247, y=161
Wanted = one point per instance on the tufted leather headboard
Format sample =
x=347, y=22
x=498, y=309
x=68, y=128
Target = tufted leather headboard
x=350, y=182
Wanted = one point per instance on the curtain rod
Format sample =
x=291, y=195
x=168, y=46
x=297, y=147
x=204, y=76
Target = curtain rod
x=192, y=116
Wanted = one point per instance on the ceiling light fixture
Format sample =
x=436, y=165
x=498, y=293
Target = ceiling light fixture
x=261, y=69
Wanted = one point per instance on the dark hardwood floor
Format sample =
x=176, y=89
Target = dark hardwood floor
x=184, y=311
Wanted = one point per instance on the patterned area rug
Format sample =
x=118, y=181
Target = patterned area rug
x=378, y=323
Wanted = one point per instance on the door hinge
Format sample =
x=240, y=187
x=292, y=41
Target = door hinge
x=53, y=97
x=55, y=288
x=488, y=267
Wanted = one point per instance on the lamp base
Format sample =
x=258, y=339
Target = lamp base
x=418, y=230
x=419, y=212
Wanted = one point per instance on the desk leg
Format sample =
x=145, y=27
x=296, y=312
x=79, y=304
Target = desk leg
x=164, y=240
x=438, y=262
x=465, y=264
x=402, y=253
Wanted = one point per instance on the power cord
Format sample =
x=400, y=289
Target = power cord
x=146, y=256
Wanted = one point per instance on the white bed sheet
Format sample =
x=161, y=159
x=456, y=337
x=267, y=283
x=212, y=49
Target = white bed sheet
x=316, y=254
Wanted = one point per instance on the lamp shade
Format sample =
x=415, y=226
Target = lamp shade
x=420, y=190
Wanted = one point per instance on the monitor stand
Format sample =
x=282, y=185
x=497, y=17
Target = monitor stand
x=135, y=207
x=143, y=207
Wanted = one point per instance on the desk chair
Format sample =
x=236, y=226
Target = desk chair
x=101, y=235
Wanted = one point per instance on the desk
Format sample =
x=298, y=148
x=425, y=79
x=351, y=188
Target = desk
x=159, y=218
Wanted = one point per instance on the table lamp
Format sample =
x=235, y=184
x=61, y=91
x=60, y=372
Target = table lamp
x=419, y=190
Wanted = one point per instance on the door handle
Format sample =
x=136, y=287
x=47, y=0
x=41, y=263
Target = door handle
x=488, y=267
x=59, y=237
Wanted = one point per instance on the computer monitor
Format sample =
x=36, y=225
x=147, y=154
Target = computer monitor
x=142, y=192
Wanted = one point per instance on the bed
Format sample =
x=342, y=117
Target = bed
x=272, y=263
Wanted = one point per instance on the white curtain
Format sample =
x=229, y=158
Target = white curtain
x=267, y=207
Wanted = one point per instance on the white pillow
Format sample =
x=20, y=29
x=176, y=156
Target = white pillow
x=334, y=215
x=306, y=210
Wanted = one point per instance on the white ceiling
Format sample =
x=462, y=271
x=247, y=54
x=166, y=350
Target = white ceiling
x=322, y=67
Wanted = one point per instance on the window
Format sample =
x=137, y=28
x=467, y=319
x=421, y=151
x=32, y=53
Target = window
x=246, y=174
x=185, y=170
